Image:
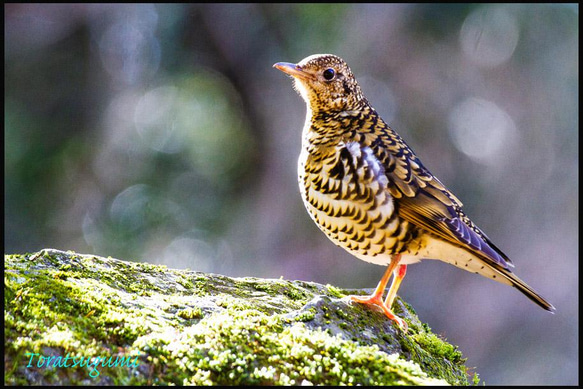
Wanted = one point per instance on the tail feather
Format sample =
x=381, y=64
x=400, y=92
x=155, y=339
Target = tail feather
x=525, y=289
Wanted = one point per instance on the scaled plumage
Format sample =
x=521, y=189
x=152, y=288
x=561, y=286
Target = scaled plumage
x=370, y=194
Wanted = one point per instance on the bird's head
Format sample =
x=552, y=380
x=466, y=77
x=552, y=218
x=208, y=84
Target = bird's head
x=325, y=82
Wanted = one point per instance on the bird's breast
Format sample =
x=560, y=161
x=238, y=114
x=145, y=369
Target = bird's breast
x=344, y=189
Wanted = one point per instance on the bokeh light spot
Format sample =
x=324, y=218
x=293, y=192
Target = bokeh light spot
x=200, y=114
x=481, y=130
x=155, y=118
x=129, y=208
x=191, y=253
x=129, y=50
x=489, y=36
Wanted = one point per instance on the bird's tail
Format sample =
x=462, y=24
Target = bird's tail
x=525, y=289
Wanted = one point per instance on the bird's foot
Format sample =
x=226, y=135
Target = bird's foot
x=378, y=301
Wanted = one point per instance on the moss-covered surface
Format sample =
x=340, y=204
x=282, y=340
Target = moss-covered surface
x=186, y=327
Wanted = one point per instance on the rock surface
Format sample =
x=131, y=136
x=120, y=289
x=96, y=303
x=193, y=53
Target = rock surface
x=87, y=320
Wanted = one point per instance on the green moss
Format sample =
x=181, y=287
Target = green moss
x=430, y=351
x=307, y=315
x=294, y=293
x=437, y=347
x=190, y=313
x=195, y=328
x=264, y=287
x=259, y=350
x=475, y=379
x=334, y=291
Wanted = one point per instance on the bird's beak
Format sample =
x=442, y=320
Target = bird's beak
x=293, y=70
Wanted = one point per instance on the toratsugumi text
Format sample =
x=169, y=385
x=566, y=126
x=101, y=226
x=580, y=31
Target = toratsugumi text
x=92, y=363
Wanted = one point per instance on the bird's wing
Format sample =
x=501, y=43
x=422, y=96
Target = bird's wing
x=424, y=201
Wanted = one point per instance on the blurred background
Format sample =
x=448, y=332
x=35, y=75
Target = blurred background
x=161, y=133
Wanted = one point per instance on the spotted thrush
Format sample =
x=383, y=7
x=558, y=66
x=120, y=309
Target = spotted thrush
x=370, y=194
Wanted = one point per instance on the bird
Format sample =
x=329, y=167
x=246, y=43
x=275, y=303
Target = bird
x=367, y=190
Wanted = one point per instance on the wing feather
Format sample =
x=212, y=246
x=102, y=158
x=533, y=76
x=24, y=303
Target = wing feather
x=427, y=203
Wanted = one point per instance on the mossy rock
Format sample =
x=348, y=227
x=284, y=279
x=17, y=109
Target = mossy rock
x=182, y=327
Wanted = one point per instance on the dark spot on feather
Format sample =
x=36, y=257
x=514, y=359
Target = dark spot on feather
x=346, y=87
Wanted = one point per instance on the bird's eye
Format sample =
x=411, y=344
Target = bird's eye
x=329, y=74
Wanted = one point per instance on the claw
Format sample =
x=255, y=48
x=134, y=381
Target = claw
x=377, y=301
x=376, y=298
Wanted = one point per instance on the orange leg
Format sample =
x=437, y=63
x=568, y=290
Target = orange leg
x=399, y=274
x=377, y=297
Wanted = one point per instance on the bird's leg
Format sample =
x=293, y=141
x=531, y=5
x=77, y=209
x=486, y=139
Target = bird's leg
x=377, y=297
x=398, y=276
